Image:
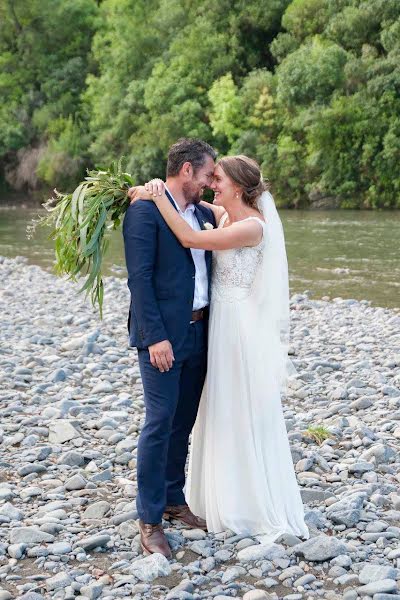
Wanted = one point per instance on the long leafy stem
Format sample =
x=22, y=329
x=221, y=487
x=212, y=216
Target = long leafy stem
x=79, y=224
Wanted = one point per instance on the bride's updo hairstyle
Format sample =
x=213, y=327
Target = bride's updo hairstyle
x=245, y=172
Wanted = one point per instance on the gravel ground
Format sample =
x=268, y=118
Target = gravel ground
x=71, y=408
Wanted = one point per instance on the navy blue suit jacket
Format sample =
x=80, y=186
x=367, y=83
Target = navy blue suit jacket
x=161, y=276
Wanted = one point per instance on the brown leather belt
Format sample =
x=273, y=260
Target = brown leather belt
x=198, y=315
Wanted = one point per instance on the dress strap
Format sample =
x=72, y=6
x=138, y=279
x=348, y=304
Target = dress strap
x=222, y=220
x=257, y=219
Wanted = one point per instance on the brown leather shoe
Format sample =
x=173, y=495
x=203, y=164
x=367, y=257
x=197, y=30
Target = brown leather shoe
x=152, y=538
x=183, y=514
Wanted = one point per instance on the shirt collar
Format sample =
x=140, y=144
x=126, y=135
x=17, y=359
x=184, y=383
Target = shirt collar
x=190, y=207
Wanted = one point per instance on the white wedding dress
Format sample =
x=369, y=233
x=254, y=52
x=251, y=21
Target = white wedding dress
x=241, y=475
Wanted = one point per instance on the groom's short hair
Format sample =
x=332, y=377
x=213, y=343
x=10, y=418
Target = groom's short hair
x=188, y=150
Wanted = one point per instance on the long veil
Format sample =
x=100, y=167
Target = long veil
x=275, y=283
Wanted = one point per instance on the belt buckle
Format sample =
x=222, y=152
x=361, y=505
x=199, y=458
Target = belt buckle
x=198, y=312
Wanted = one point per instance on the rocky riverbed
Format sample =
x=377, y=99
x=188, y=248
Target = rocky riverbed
x=71, y=408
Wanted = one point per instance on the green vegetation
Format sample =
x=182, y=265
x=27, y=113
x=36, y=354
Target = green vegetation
x=80, y=222
x=318, y=433
x=310, y=88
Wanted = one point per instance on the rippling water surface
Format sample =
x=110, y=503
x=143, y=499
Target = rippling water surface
x=351, y=254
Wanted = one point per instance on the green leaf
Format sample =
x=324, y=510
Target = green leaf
x=78, y=225
x=74, y=201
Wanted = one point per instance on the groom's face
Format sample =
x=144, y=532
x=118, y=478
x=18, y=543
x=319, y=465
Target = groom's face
x=198, y=181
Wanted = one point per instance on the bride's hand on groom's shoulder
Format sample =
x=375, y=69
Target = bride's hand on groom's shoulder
x=139, y=192
x=148, y=191
x=155, y=186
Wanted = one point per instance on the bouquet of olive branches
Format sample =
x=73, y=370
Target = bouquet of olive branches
x=80, y=222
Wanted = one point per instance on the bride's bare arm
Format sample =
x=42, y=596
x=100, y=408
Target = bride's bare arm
x=156, y=186
x=218, y=211
x=238, y=235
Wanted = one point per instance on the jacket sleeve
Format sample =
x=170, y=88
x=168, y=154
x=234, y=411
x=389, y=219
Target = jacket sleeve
x=140, y=239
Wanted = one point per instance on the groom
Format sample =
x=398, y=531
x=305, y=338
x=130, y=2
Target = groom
x=168, y=322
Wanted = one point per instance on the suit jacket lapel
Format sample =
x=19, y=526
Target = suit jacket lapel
x=199, y=216
x=170, y=199
x=174, y=205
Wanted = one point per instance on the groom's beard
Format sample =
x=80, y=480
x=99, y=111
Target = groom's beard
x=192, y=196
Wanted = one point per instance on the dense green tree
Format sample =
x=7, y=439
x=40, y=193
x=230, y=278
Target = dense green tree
x=310, y=88
x=44, y=56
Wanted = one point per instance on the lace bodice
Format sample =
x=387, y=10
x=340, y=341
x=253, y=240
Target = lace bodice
x=234, y=271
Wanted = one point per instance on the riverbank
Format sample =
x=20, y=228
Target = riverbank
x=71, y=408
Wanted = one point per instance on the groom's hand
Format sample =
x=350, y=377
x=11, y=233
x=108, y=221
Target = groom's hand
x=161, y=355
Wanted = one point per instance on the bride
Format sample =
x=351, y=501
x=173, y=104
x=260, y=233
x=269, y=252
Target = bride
x=241, y=474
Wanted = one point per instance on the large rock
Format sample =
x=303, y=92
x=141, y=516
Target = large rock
x=257, y=595
x=9, y=510
x=384, y=585
x=29, y=535
x=128, y=530
x=371, y=573
x=309, y=495
x=16, y=550
x=76, y=482
x=60, y=548
x=59, y=581
x=348, y=510
x=97, y=510
x=93, y=541
x=380, y=452
x=149, y=568
x=231, y=574
x=359, y=468
x=262, y=552
x=6, y=492
x=92, y=591
x=320, y=548
x=62, y=431
x=74, y=343
x=72, y=459
x=103, y=387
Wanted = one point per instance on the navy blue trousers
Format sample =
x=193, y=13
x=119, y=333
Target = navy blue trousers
x=171, y=400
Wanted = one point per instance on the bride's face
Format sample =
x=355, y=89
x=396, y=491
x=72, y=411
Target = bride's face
x=223, y=187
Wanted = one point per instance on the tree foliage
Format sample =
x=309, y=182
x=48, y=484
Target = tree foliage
x=310, y=88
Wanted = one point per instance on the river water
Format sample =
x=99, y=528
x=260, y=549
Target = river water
x=351, y=254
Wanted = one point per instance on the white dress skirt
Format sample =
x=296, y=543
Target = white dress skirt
x=241, y=474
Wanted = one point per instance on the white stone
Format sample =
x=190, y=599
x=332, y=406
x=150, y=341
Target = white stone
x=97, y=510
x=320, y=548
x=59, y=581
x=262, y=552
x=29, y=535
x=149, y=568
x=61, y=431
x=372, y=572
x=257, y=595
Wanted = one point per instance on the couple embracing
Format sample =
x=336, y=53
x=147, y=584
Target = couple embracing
x=209, y=317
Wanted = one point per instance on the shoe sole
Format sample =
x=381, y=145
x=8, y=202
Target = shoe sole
x=148, y=553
